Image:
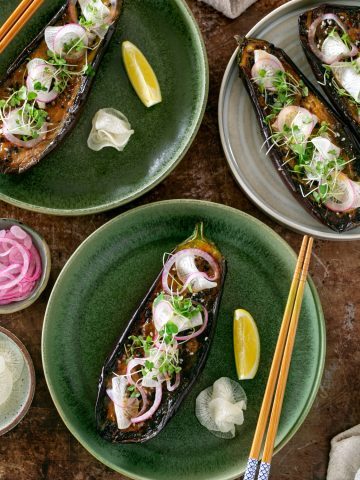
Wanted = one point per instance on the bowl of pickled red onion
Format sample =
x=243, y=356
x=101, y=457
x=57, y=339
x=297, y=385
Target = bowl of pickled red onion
x=25, y=265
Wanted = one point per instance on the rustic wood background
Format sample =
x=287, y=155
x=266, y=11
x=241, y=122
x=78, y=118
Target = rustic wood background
x=41, y=447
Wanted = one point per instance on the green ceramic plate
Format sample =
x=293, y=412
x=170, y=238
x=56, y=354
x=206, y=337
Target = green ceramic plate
x=74, y=180
x=102, y=285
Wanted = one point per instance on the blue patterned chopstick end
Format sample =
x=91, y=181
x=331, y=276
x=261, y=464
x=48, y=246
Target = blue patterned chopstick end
x=251, y=469
x=264, y=471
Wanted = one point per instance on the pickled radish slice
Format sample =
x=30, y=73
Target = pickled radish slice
x=34, y=63
x=97, y=14
x=356, y=188
x=185, y=266
x=348, y=77
x=265, y=68
x=226, y=414
x=325, y=150
x=110, y=128
x=50, y=34
x=43, y=75
x=219, y=408
x=334, y=47
x=17, y=123
x=163, y=312
x=202, y=410
x=343, y=196
x=263, y=55
x=125, y=407
x=229, y=390
x=298, y=119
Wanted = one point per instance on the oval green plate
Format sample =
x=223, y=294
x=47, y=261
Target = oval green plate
x=102, y=285
x=74, y=180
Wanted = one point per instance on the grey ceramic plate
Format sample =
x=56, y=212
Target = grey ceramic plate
x=102, y=285
x=12, y=412
x=242, y=140
x=74, y=180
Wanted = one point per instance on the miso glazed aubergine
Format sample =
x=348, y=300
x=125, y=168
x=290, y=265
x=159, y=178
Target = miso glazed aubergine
x=44, y=90
x=330, y=36
x=165, y=345
x=313, y=151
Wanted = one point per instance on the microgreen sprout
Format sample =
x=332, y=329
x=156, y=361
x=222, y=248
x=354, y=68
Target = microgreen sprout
x=140, y=342
x=29, y=118
x=346, y=39
x=184, y=306
x=76, y=44
x=134, y=393
x=287, y=90
x=343, y=93
x=343, y=36
x=168, y=332
x=87, y=24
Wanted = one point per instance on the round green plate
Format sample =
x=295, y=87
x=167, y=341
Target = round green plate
x=103, y=283
x=74, y=180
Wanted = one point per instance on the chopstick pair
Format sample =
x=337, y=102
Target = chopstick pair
x=20, y=16
x=281, y=363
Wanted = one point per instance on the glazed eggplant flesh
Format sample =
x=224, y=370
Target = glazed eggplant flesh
x=165, y=345
x=330, y=36
x=313, y=151
x=44, y=90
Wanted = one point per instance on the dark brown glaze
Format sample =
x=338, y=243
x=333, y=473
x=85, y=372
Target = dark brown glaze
x=350, y=16
x=64, y=111
x=317, y=104
x=193, y=354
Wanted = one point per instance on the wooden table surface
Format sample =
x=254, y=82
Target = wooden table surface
x=41, y=447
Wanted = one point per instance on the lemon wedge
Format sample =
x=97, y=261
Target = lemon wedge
x=141, y=75
x=246, y=345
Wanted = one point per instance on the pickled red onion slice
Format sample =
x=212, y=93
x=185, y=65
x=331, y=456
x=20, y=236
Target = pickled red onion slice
x=194, y=252
x=20, y=265
x=324, y=57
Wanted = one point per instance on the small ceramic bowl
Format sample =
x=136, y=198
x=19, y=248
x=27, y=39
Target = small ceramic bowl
x=44, y=252
x=14, y=410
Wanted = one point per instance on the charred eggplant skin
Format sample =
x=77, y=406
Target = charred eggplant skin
x=350, y=16
x=171, y=401
x=18, y=159
x=338, y=222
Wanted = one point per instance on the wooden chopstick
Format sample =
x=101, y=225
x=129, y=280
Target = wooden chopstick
x=284, y=370
x=275, y=367
x=17, y=20
x=19, y=10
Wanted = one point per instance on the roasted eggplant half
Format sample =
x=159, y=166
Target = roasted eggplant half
x=312, y=149
x=165, y=345
x=44, y=90
x=330, y=36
